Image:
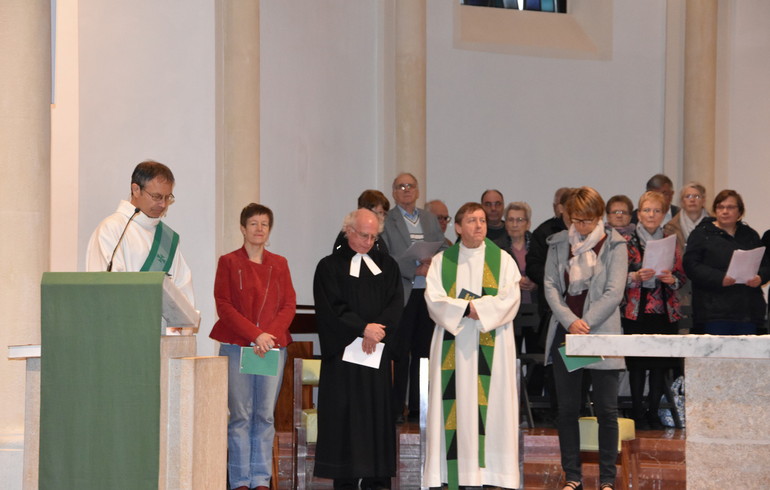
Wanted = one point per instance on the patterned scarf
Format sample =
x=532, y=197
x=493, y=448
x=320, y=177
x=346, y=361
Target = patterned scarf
x=583, y=261
x=687, y=225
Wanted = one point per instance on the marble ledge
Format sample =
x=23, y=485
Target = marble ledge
x=711, y=346
x=23, y=352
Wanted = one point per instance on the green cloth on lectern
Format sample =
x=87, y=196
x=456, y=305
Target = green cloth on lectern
x=100, y=380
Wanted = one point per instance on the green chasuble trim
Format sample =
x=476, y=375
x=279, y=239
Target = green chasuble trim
x=163, y=248
x=490, y=283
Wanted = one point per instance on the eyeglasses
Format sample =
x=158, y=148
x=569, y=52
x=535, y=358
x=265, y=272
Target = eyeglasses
x=445, y=219
x=517, y=220
x=589, y=221
x=651, y=210
x=693, y=196
x=619, y=212
x=160, y=197
x=726, y=207
x=404, y=187
x=490, y=204
x=365, y=236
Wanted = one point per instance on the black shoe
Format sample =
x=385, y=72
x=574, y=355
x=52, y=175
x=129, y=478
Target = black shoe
x=375, y=484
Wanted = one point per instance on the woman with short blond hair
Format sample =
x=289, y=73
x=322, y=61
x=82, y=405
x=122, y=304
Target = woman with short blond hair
x=585, y=277
x=650, y=306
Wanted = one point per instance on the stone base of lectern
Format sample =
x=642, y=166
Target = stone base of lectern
x=193, y=415
x=727, y=400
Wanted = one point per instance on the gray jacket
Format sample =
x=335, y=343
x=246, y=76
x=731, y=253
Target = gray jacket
x=601, y=311
x=397, y=239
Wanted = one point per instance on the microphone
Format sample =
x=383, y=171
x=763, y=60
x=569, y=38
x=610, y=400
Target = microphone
x=109, y=266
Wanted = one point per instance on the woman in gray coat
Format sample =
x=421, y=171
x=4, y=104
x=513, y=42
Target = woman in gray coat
x=585, y=277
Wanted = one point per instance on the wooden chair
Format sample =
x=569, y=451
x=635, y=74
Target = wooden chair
x=628, y=449
x=305, y=418
x=276, y=456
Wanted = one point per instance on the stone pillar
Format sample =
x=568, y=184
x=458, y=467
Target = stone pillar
x=410, y=90
x=238, y=116
x=197, y=457
x=728, y=437
x=700, y=77
x=25, y=95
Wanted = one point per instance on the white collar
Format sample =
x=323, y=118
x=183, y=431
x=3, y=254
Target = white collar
x=355, y=265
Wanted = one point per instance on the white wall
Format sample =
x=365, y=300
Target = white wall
x=743, y=146
x=528, y=125
x=320, y=123
x=147, y=91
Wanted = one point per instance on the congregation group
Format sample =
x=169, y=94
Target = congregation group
x=396, y=288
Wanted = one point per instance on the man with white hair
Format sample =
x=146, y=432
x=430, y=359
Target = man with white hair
x=358, y=296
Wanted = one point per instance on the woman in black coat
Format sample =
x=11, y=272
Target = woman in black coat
x=721, y=305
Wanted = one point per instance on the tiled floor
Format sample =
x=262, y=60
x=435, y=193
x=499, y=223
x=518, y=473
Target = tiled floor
x=662, y=463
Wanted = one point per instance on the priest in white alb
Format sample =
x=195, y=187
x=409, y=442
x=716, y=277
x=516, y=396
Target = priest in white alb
x=134, y=238
x=473, y=295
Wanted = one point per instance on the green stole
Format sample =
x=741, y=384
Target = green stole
x=163, y=249
x=489, y=284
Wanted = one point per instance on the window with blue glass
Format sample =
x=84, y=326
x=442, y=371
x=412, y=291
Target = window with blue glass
x=558, y=6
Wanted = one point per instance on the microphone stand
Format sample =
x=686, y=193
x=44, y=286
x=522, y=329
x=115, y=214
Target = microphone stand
x=109, y=266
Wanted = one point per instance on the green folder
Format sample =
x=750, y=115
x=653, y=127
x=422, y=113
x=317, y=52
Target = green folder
x=576, y=362
x=264, y=366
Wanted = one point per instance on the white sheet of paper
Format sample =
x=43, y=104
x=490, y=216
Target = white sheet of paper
x=421, y=250
x=355, y=353
x=745, y=264
x=659, y=254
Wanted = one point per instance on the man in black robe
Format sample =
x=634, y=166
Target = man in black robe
x=358, y=293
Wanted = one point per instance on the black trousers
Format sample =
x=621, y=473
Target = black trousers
x=374, y=483
x=414, y=335
x=605, y=399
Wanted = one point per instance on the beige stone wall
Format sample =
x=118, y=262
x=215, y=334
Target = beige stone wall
x=25, y=88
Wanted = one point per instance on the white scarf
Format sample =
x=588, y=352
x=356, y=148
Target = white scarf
x=644, y=237
x=355, y=265
x=687, y=225
x=583, y=261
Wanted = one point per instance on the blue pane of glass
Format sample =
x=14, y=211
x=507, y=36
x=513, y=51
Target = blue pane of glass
x=532, y=5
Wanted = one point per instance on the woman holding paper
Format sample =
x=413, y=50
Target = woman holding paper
x=256, y=303
x=724, y=305
x=585, y=276
x=650, y=306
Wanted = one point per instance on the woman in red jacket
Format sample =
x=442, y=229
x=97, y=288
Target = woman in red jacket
x=256, y=303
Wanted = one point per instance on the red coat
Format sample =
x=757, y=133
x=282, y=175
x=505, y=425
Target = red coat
x=253, y=298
